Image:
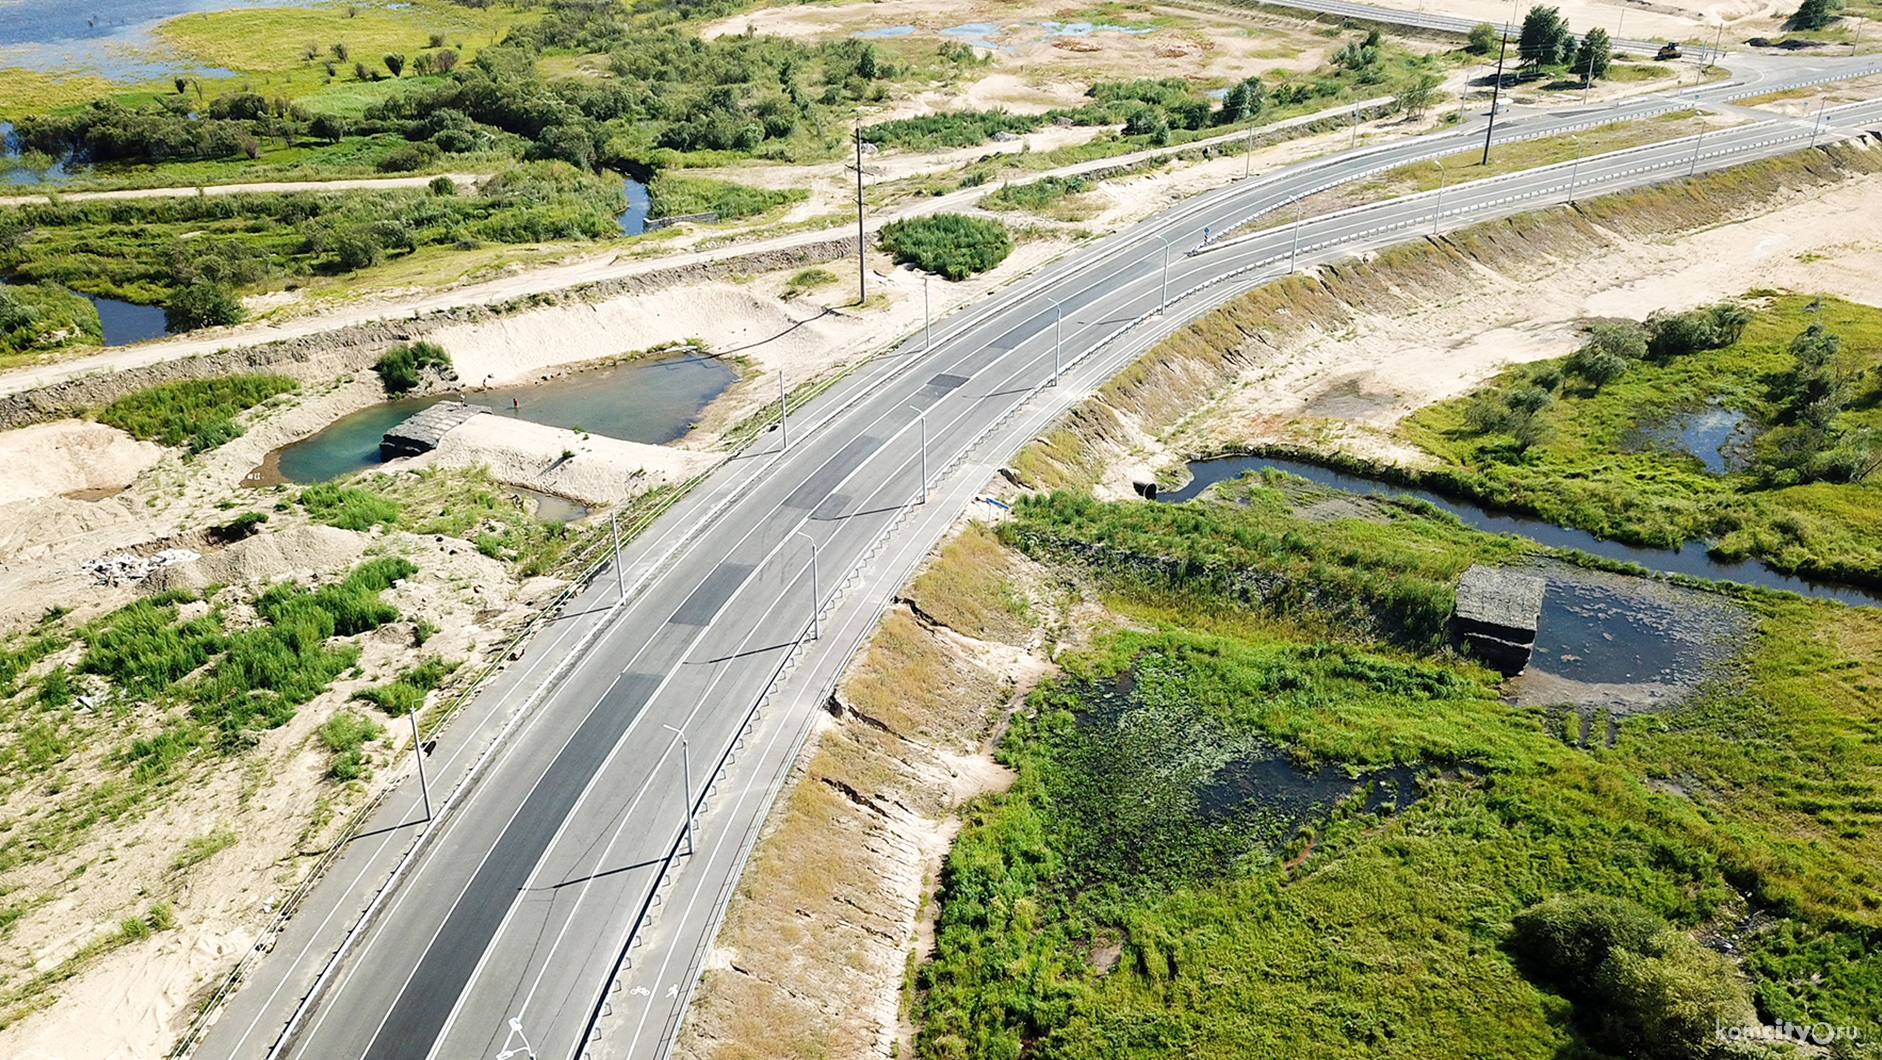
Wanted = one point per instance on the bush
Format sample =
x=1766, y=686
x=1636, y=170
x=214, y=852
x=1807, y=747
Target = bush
x=444, y=186
x=401, y=364
x=1482, y=39
x=45, y=316
x=348, y=507
x=1712, y=328
x=242, y=526
x=201, y=305
x=948, y=244
x=673, y=196
x=957, y=129
x=407, y=691
x=345, y=734
x=199, y=413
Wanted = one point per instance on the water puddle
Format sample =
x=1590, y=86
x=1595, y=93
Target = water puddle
x=978, y=34
x=652, y=401
x=110, y=38
x=1720, y=438
x=1691, y=561
x=634, y=221
x=127, y=322
x=885, y=31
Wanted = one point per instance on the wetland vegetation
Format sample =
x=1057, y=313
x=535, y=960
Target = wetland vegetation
x=1111, y=903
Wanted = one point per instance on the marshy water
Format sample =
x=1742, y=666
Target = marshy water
x=653, y=401
x=634, y=221
x=1692, y=561
x=111, y=38
x=1719, y=437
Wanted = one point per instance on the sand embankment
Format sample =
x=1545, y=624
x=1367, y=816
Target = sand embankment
x=70, y=456
x=582, y=467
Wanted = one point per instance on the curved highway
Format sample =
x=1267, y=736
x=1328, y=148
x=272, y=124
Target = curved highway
x=558, y=903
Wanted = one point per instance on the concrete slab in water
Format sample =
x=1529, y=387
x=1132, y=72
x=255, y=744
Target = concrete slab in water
x=1497, y=613
x=422, y=432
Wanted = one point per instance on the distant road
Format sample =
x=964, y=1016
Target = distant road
x=462, y=180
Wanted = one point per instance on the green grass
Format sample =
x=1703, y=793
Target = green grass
x=348, y=507
x=672, y=195
x=951, y=245
x=1263, y=928
x=344, y=735
x=198, y=414
x=38, y=318
x=202, y=848
x=1589, y=470
x=406, y=692
x=1055, y=197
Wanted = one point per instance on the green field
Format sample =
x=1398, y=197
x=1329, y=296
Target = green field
x=1113, y=903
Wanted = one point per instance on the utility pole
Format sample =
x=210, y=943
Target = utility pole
x=1496, y=92
x=1713, y=59
x=686, y=778
x=418, y=754
x=862, y=273
x=816, y=594
x=1354, y=142
x=1587, y=85
x=1248, y=156
x=784, y=428
x=923, y=416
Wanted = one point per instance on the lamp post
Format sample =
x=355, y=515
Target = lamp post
x=614, y=531
x=816, y=594
x=923, y=417
x=418, y=755
x=784, y=427
x=1058, y=336
x=927, y=318
x=1293, y=256
x=1817, y=126
x=1574, y=170
x=1438, y=211
x=686, y=778
x=1697, y=142
x=516, y=1031
x=1163, y=305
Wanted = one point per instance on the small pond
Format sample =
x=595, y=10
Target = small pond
x=653, y=401
x=634, y=221
x=1690, y=561
x=127, y=322
x=1720, y=438
x=885, y=31
x=111, y=38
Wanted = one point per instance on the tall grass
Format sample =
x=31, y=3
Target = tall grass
x=197, y=413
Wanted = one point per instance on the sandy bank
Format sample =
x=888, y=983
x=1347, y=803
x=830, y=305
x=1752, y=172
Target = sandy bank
x=70, y=456
x=586, y=468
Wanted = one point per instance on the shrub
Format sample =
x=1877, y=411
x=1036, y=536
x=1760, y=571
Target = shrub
x=957, y=129
x=1712, y=328
x=45, y=316
x=1482, y=39
x=242, y=526
x=407, y=691
x=948, y=244
x=348, y=507
x=444, y=186
x=201, y=305
x=345, y=734
x=673, y=196
x=400, y=365
x=198, y=413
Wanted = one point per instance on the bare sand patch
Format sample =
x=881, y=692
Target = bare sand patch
x=581, y=467
x=70, y=456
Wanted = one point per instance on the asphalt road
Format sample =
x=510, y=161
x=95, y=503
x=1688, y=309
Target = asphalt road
x=563, y=797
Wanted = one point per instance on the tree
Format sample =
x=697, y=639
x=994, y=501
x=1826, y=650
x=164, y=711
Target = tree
x=1482, y=39
x=1243, y=102
x=395, y=62
x=443, y=186
x=1545, y=38
x=1598, y=366
x=201, y=305
x=445, y=59
x=339, y=50
x=1417, y=93
x=328, y=127
x=1597, y=54
x=356, y=247
x=1814, y=14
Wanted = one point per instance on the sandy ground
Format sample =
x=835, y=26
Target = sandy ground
x=1641, y=20
x=531, y=455
x=1349, y=389
x=70, y=456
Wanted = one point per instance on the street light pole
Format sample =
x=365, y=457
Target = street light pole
x=1163, y=304
x=1575, y=170
x=784, y=429
x=927, y=318
x=862, y=273
x=816, y=593
x=1817, y=126
x=614, y=530
x=686, y=778
x=1293, y=256
x=1438, y=211
x=1696, y=144
x=923, y=416
x=418, y=754
x=1248, y=156
x=1058, y=338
